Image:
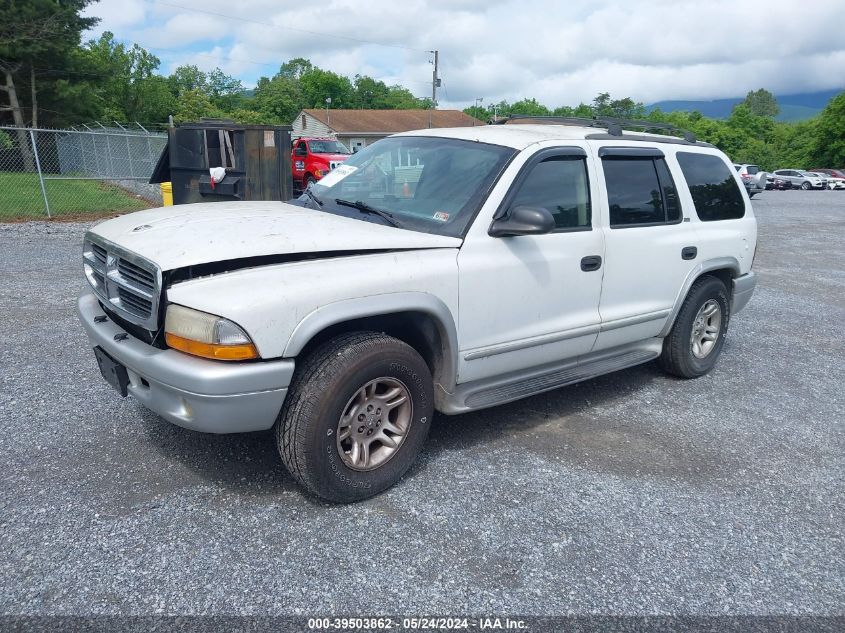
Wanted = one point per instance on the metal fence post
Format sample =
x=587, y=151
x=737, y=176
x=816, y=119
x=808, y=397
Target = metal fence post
x=40, y=174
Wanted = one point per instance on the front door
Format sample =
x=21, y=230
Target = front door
x=533, y=299
x=298, y=157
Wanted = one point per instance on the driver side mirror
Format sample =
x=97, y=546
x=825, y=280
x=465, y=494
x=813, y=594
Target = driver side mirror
x=522, y=220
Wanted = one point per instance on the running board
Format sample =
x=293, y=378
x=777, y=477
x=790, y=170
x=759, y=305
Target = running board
x=489, y=393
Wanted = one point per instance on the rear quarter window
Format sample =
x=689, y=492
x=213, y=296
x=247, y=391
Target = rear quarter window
x=714, y=191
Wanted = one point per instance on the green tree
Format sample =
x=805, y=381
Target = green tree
x=317, y=85
x=295, y=68
x=530, y=107
x=38, y=42
x=131, y=91
x=188, y=77
x=828, y=136
x=762, y=103
x=194, y=105
x=223, y=90
x=278, y=99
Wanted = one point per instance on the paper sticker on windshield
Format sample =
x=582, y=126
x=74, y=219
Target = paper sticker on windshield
x=441, y=216
x=337, y=174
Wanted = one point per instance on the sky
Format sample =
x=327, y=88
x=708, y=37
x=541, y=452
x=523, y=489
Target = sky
x=561, y=53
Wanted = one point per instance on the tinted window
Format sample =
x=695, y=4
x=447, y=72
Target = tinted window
x=752, y=169
x=640, y=191
x=560, y=185
x=714, y=191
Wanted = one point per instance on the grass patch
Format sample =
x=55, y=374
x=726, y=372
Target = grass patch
x=21, y=198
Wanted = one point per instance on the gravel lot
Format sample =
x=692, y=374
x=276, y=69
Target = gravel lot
x=630, y=494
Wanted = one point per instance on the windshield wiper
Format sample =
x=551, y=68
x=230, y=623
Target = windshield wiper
x=366, y=208
x=307, y=191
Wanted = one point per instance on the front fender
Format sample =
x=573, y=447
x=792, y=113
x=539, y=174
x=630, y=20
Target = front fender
x=376, y=305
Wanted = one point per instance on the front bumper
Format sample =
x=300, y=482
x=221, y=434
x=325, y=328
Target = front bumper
x=743, y=288
x=199, y=394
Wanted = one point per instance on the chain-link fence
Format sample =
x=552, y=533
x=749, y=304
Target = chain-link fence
x=54, y=173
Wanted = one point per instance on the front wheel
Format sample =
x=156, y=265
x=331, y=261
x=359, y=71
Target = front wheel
x=698, y=335
x=805, y=185
x=356, y=416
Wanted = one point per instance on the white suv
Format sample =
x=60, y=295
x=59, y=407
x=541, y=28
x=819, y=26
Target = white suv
x=753, y=178
x=444, y=269
x=801, y=179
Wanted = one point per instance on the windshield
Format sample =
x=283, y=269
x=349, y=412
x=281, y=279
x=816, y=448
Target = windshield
x=327, y=147
x=434, y=185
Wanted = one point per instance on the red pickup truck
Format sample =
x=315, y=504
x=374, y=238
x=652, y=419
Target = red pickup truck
x=313, y=158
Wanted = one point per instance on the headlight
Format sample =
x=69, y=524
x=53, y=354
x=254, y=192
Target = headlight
x=202, y=334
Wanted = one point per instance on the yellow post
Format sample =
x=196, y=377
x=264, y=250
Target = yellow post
x=167, y=194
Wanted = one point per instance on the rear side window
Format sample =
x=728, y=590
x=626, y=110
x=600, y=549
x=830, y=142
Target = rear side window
x=640, y=192
x=714, y=191
x=751, y=170
x=560, y=185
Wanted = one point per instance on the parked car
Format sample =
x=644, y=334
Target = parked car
x=837, y=173
x=753, y=178
x=313, y=158
x=778, y=183
x=833, y=181
x=443, y=269
x=801, y=179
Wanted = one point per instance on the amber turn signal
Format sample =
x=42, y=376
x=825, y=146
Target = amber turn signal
x=210, y=350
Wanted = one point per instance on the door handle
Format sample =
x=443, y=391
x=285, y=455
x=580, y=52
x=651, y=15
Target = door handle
x=689, y=252
x=590, y=263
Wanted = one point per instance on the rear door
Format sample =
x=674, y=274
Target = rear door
x=650, y=244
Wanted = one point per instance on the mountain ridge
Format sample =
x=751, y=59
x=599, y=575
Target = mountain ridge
x=794, y=107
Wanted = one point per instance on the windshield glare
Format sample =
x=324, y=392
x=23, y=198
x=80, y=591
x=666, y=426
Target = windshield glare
x=428, y=184
x=327, y=147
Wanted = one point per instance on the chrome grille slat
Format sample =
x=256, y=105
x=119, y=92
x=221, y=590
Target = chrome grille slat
x=134, y=303
x=129, y=284
x=136, y=273
x=99, y=252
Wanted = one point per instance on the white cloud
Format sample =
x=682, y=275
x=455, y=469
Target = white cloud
x=558, y=52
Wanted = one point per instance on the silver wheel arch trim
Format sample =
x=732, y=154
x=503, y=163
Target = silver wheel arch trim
x=378, y=305
x=718, y=263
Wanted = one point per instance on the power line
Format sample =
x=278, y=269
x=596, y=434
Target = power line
x=289, y=28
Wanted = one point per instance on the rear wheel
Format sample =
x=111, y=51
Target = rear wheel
x=698, y=335
x=356, y=416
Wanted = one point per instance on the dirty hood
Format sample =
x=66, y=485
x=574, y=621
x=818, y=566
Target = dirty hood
x=192, y=234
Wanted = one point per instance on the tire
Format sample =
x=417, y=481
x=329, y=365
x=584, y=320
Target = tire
x=679, y=356
x=805, y=185
x=309, y=180
x=330, y=384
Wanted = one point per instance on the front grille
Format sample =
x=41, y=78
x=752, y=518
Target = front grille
x=129, y=284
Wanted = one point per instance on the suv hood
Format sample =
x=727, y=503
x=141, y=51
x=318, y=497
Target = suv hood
x=193, y=234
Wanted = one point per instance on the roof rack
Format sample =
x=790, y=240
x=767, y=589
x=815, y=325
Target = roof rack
x=613, y=126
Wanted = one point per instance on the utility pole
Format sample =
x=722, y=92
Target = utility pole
x=435, y=80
